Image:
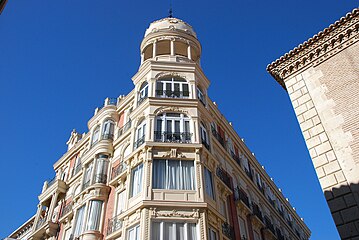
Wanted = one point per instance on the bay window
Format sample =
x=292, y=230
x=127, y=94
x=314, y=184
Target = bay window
x=140, y=134
x=173, y=174
x=101, y=169
x=136, y=180
x=208, y=181
x=134, y=233
x=143, y=93
x=94, y=215
x=108, y=129
x=173, y=231
x=172, y=87
x=173, y=127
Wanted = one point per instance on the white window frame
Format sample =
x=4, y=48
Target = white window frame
x=140, y=133
x=137, y=231
x=201, y=96
x=170, y=82
x=95, y=135
x=165, y=118
x=136, y=187
x=108, y=129
x=211, y=183
x=174, y=225
x=143, y=92
x=204, y=134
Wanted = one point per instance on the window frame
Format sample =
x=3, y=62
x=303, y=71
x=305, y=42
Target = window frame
x=139, y=189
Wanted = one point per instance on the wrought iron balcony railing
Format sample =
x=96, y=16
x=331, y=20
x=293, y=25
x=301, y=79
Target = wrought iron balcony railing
x=139, y=142
x=177, y=137
x=257, y=212
x=218, y=137
x=114, y=224
x=107, y=136
x=141, y=99
x=269, y=224
x=235, y=157
x=66, y=209
x=206, y=144
x=172, y=94
x=223, y=175
x=124, y=128
x=101, y=178
x=228, y=231
x=120, y=168
x=240, y=195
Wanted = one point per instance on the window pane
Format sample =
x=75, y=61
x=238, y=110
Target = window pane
x=185, y=90
x=208, y=183
x=168, y=231
x=94, y=215
x=136, y=180
x=156, y=231
x=159, y=174
x=191, y=231
x=180, y=231
x=79, y=221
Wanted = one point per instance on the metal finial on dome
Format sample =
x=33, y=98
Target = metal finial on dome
x=170, y=11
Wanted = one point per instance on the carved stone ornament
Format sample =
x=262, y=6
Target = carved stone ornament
x=169, y=109
x=169, y=74
x=173, y=153
x=174, y=213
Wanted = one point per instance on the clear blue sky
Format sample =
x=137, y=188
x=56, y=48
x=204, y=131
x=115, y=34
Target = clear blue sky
x=60, y=59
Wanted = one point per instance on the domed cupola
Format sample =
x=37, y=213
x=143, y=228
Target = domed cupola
x=170, y=39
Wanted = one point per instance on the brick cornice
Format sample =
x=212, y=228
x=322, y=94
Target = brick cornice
x=317, y=49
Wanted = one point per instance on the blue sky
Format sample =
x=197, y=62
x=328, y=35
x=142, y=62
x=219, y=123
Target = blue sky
x=61, y=59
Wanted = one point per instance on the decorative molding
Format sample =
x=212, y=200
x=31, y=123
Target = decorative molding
x=173, y=153
x=169, y=109
x=169, y=74
x=320, y=47
x=175, y=213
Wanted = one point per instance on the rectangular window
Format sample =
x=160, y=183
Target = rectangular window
x=121, y=198
x=173, y=174
x=185, y=90
x=136, y=180
x=212, y=234
x=223, y=207
x=173, y=231
x=94, y=215
x=134, y=233
x=208, y=181
x=79, y=221
x=242, y=228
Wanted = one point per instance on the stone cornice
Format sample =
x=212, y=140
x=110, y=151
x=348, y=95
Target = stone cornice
x=317, y=49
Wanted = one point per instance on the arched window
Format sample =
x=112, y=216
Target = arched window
x=173, y=127
x=143, y=93
x=108, y=129
x=172, y=87
x=95, y=135
x=140, y=134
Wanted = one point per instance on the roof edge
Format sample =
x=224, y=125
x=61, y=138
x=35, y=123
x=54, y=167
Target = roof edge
x=315, y=49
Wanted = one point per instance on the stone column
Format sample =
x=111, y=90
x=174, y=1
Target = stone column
x=154, y=49
x=172, y=47
x=52, y=206
x=189, y=54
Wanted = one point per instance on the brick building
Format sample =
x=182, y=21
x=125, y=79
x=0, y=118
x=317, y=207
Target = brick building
x=321, y=77
x=162, y=163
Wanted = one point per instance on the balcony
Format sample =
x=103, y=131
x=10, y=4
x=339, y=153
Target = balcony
x=240, y=195
x=206, y=145
x=114, y=225
x=66, y=211
x=172, y=94
x=124, y=128
x=118, y=172
x=228, y=231
x=235, y=158
x=139, y=142
x=257, y=212
x=51, y=186
x=218, y=137
x=173, y=137
x=269, y=227
x=223, y=175
x=141, y=100
x=44, y=226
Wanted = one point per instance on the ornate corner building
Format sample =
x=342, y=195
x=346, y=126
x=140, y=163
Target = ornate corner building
x=162, y=163
x=321, y=77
